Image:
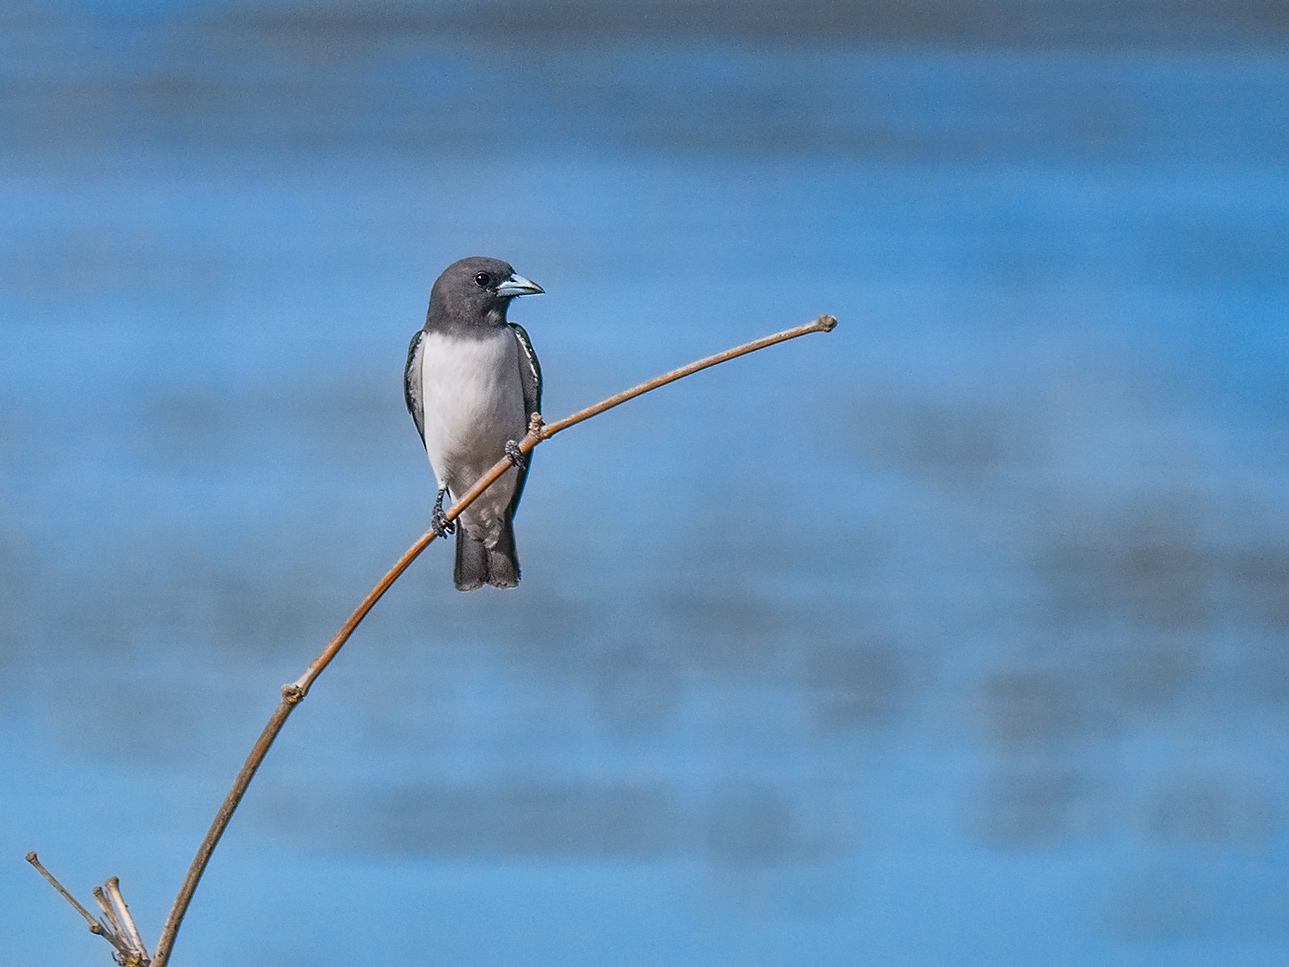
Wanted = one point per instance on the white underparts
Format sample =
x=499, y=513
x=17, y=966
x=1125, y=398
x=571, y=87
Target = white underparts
x=473, y=403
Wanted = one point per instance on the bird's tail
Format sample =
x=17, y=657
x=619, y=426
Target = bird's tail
x=477, y=564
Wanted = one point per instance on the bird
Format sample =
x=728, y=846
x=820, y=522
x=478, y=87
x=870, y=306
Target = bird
x=471, y=383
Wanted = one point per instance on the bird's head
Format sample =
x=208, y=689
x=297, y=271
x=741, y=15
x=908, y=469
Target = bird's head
x=474, y=292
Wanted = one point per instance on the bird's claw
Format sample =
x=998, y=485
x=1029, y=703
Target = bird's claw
x=516, y=455
x=442, y=526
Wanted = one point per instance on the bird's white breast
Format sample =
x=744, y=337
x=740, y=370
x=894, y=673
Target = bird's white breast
x=473, y=402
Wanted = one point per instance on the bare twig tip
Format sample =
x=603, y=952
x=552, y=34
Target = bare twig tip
x=31, y=857
x=826, y=322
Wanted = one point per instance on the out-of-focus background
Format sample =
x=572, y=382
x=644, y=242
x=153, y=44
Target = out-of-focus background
x=957, y=636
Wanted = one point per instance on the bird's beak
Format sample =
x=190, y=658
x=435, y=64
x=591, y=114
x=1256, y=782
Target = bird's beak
x=518, y=285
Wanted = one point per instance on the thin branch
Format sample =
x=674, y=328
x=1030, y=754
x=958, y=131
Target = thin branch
x=94, y=925
x=294, y=692
x=226, y=809
x=825, y=323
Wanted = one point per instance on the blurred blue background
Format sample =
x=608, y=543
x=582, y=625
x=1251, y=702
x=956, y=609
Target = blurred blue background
x=957, y=636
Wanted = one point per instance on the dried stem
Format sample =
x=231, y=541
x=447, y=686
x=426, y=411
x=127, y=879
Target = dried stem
x=101, y=899
x=94, y=925
x=111, y=932
x=123, y=915
x=293, y=693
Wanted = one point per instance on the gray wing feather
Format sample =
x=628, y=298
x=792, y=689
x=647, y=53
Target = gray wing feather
x=530, y=371
x=412, y=384
x=530, y=377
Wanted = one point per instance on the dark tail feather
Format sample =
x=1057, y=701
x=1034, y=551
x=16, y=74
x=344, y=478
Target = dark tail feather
x=471, y=568
x=503, y=562
x=476, y=565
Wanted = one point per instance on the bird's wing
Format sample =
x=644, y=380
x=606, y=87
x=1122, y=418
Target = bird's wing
x=530, y=378
x=412, y=384
x=530, y=371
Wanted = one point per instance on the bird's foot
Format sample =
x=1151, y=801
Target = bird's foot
x=516, y=455
x=442, y=526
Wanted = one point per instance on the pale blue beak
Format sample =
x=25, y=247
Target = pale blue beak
x=518, y=285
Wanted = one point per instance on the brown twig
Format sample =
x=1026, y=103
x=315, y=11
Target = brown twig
x=294, y=692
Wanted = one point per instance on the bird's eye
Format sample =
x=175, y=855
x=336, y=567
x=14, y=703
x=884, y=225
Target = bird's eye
x=483, y=280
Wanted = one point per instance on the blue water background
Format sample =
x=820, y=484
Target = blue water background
x=956, y=636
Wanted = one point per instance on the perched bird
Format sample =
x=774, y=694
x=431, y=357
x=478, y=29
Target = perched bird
x=472, y=381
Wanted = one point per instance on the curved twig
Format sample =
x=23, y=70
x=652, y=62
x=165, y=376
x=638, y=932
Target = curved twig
x=294, y=692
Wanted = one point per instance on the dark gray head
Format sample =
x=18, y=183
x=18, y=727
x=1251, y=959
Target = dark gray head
x=474, y=293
